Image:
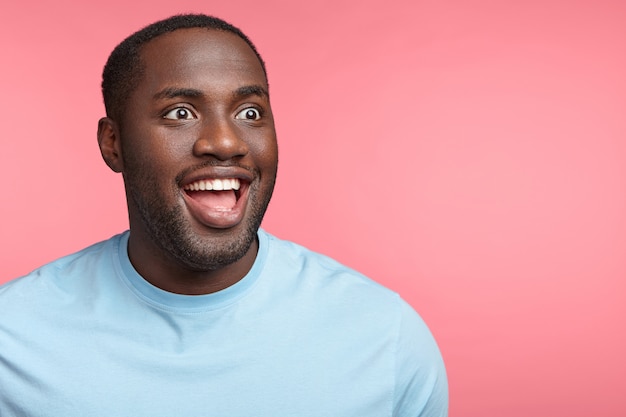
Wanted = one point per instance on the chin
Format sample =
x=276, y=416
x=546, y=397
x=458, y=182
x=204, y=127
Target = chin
x=197, y=251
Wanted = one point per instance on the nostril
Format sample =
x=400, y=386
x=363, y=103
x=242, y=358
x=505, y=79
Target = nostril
x=221, y=143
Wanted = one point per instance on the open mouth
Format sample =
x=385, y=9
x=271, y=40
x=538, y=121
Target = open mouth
x=219, y=194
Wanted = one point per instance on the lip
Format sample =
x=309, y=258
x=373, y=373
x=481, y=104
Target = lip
x=217, y=172
x=219, y=218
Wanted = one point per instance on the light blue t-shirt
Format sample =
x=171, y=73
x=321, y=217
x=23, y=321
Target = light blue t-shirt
x=300, y=335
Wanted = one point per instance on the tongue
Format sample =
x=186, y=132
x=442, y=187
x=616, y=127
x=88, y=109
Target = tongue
x=217, y=200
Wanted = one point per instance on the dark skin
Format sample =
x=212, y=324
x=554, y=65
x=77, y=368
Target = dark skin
x=200, y=113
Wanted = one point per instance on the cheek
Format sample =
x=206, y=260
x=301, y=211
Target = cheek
x=265, y=151
x=155, y=150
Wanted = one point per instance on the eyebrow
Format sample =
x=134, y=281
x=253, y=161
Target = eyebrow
x=251, y=90
x=174, y=92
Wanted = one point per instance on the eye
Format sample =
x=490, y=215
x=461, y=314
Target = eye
x=179, y=113
x=249, y=114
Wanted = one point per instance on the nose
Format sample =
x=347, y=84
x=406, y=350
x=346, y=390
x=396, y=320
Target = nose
x=221, y=139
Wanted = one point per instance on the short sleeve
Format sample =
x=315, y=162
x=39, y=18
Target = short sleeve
x=421, y=388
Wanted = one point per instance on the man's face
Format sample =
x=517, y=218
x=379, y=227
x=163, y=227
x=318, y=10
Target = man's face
x=199, y=148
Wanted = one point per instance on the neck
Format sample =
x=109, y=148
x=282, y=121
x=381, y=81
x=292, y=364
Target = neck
x=168, y=274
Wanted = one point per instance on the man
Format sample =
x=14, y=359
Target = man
x=196, y=311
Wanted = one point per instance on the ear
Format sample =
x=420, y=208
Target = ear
x=110, y=144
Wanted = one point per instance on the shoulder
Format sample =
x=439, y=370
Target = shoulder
x=356, y=305
x=59, y=276
x=288, y=257
x=325, y=277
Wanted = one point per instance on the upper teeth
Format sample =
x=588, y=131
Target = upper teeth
x=216, y=184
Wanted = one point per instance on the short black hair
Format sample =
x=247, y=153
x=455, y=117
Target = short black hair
x=123, y=69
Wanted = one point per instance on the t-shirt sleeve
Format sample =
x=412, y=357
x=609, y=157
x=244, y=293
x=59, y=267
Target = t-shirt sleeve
x=421, y=388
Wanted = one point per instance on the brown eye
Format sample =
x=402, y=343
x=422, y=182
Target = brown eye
x=179, y=113
x=249, y=114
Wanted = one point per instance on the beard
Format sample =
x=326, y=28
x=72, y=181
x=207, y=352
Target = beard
x=172, y=232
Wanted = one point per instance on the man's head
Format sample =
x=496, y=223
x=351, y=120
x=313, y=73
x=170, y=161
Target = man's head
x=195, y=141
x=124, y=67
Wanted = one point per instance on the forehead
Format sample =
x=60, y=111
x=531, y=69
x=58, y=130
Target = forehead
x=196, y=54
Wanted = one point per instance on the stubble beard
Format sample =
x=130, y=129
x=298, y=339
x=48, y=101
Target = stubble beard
x=170, y=230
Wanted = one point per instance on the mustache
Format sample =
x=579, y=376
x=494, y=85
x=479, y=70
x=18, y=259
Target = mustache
x=216, y=163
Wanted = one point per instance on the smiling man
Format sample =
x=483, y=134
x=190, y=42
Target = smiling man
x=196, y=311
x=195, y=142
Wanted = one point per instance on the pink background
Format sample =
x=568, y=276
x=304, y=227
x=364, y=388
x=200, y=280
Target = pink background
x=470, y=155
